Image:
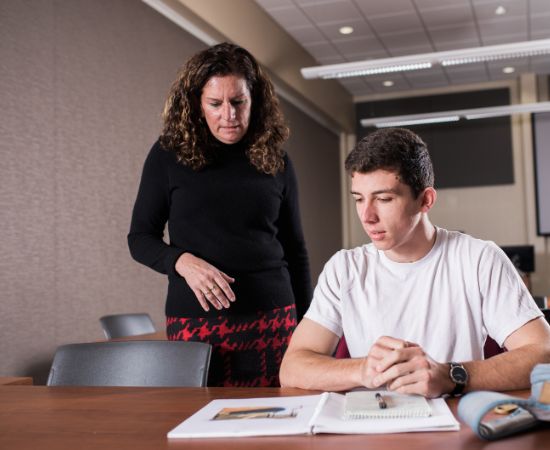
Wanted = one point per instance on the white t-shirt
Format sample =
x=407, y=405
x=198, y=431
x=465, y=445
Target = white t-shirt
x=447, y=302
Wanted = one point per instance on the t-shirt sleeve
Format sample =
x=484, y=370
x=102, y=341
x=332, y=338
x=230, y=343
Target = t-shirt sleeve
x=326, y=306
x=507, y=304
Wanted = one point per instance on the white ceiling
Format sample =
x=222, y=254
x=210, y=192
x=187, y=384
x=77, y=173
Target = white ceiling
x=386, y=28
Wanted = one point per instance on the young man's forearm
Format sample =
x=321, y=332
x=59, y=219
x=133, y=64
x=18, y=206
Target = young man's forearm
x=507, y=371
x=309, y=370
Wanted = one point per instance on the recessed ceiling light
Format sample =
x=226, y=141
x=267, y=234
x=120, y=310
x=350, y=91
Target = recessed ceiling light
x=388, y=83
x=500, y=10
x=509, y=69
x=346, y=30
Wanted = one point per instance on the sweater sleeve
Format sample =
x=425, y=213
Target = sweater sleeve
x=292, y=240
x=150, y=214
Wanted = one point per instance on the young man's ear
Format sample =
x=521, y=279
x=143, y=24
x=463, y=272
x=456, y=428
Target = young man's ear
x=428, y=197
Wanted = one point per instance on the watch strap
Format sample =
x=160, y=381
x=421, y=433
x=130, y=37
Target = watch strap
x=459, y=387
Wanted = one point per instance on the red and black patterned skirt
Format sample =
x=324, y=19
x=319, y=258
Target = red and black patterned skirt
x=247, y=349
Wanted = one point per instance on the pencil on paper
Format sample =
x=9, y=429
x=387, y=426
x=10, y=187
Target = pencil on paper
x=381, y=402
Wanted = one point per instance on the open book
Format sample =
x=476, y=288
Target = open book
x=310, y=414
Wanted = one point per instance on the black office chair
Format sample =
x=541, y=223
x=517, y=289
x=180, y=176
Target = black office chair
x=541, y=301
x=122, y=325
x=131, y=363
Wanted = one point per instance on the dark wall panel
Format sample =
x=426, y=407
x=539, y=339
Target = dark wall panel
x=541, y=146
x=464, y=153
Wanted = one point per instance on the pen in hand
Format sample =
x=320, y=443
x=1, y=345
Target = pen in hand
x=381, y=402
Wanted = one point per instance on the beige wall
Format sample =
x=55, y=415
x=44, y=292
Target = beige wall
x=315, y=153
x=82, y=87
x=83, y=83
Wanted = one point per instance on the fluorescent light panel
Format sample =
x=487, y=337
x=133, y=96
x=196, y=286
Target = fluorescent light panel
x=404, y=123
x=453, y=116
x=377, y=70
x=427, y=60
x=496, y=52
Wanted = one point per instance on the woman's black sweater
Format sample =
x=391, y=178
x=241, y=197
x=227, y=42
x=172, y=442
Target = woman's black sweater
x=241, y=221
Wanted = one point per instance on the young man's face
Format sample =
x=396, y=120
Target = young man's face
x=389, y=213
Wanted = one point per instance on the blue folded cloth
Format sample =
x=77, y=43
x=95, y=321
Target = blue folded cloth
x=475, y=405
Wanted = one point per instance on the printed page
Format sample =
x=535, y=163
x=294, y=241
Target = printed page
x=330, y=420
x=271, y=416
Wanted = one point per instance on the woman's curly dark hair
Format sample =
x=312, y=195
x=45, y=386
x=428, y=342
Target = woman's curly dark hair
x=185, y=131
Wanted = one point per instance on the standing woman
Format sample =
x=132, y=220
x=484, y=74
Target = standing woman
x=237, y=266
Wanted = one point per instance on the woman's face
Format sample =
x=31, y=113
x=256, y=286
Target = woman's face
x=225, y=104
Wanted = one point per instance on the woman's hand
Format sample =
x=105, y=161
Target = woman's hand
x=209, y=284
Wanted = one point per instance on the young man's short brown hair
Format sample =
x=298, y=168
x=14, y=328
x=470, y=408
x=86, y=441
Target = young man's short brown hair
x=394, y=149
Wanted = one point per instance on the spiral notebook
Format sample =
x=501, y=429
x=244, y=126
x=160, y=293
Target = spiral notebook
x=384, y=404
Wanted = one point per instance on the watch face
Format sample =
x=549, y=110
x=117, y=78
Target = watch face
x=459, y=374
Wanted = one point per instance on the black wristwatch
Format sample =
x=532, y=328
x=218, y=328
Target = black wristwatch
x=459, y=377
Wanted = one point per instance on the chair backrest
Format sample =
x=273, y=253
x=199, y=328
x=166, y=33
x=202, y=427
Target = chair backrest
x=342, y=351
x=131, y=363
x=541, y=301
x=121, y=325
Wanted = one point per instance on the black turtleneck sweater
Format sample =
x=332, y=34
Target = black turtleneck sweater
x=241, y=221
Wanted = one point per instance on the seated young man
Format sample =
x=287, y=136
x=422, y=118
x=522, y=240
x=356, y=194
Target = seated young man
x=417, y=304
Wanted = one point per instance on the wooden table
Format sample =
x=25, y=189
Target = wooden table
x=81, y=418
x=15, y=380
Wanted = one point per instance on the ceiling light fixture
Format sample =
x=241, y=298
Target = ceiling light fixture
x=363, y=69
x=500, y=10
x=453, y=116
x=388, y=83
x=428, y=60
x=508, y=69
x=346, y=30
x=498, y=52
x=408, y=122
